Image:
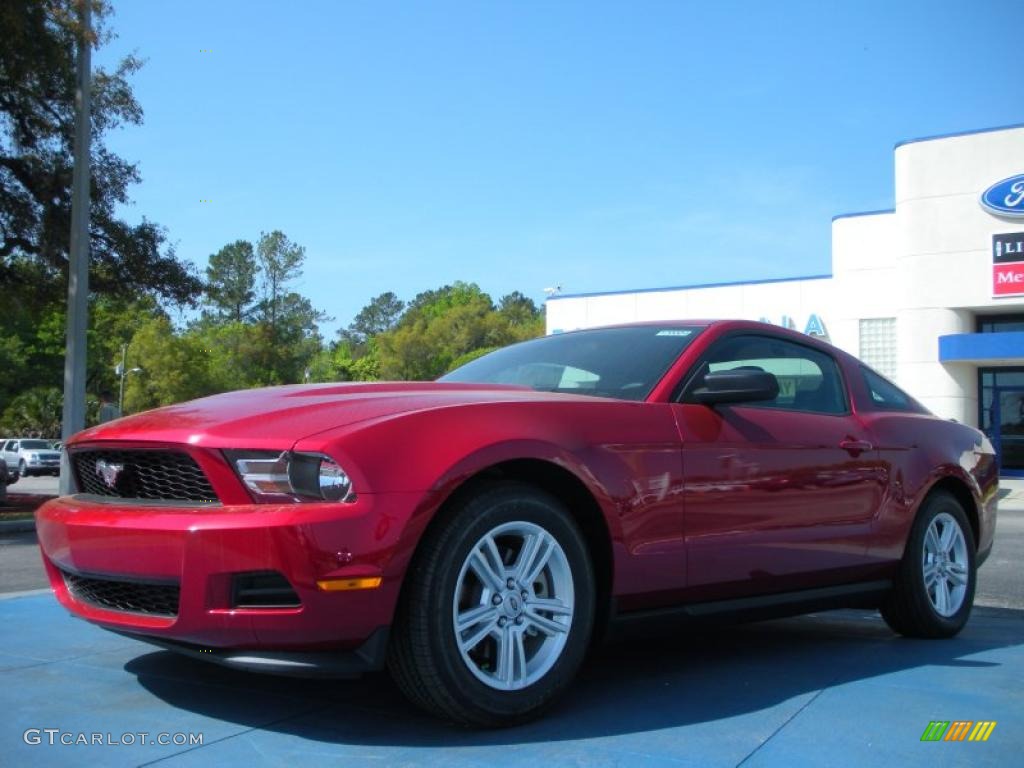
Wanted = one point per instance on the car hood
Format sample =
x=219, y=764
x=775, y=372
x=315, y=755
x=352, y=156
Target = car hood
x=277, y=417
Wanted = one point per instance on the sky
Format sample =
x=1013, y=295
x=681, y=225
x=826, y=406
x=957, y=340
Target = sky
x=520, y=145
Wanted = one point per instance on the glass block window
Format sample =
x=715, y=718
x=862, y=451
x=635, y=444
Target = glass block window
x=878, y=344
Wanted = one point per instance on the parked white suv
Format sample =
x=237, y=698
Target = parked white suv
x=31, y=456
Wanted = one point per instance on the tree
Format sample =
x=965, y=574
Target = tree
x=35, y=412
x=338, y=363
x=518, y=309
x=444, y=327
x=175, y=367
x=436, y=302
x=380, y=315
x=280, y=263
x=37, y=86
x=231, y=280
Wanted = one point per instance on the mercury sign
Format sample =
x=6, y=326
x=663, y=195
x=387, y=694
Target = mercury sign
x=1006, y=197
x=1008, y=264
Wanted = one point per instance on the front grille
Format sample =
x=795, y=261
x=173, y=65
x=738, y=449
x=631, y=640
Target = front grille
x=154, y=598
x=162, y=475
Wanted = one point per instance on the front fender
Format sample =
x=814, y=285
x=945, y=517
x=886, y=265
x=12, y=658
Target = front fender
x=627, y=455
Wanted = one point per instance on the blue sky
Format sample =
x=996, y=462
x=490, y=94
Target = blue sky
x=597, y=145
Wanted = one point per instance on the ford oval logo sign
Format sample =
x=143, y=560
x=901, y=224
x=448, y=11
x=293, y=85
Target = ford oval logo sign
x=1006, y=197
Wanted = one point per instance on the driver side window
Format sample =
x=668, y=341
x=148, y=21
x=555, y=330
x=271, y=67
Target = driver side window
x=809, y=380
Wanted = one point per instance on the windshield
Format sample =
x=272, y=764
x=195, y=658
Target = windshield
x=34, y=445
x=624, y=363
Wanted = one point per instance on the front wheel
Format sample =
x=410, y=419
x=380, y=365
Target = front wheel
x=23, y=468
x=497, y=611
x=934, y=591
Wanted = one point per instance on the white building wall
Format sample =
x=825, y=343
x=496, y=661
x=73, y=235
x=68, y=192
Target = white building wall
x=945, y=256
x=795, y=299
x=864, y=265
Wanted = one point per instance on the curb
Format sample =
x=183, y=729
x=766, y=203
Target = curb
x=16, y=526
x=25, y=593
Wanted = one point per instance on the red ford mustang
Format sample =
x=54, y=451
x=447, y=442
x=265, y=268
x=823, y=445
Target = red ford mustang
x=474, y=534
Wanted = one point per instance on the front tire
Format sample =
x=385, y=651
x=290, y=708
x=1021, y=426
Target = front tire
x=497, y=611
x=934, y=590
x=23, y=468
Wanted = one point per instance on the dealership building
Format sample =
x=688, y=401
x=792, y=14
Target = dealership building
x=930, y=293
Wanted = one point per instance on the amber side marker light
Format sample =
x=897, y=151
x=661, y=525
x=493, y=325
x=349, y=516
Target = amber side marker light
x=339, y=585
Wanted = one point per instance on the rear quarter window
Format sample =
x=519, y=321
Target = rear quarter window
x=883, y=395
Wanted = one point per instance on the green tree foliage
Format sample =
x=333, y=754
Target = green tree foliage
x=518, y=309
x=231, y=281
x=35, y=412
x=37, y=87
x=239, y=344
x=280, y=262
x=175, y=366
x=380, y=315
x=445, y=325
x=339, y=363
x=288, y=324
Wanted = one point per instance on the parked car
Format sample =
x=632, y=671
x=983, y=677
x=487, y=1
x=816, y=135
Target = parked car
x=475, y=534
x=31, y=456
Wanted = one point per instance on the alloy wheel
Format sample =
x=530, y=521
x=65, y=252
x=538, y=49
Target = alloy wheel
x=513, y=605
x=944, y=564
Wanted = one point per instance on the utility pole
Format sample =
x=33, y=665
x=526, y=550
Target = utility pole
x=78, y=254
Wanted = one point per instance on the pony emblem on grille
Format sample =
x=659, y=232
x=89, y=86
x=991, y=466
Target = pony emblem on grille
x=109, y=472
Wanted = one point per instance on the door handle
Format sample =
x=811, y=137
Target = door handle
x=855, y=447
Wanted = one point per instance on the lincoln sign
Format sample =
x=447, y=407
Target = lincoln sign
x=1008, y=264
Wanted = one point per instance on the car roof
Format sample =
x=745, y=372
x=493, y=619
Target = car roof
x=733, y=324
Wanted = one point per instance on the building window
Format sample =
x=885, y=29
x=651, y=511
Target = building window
x=878, y=344
x=1000, y=323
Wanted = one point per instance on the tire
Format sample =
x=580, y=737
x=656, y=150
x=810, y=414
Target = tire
x=941, y=608
x=463, y=674
x=23, y=468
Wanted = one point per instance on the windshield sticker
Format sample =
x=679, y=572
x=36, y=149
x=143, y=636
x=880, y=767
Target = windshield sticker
x=674, y=332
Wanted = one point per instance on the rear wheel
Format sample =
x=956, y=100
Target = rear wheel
x=498, y=609
x=934, y=591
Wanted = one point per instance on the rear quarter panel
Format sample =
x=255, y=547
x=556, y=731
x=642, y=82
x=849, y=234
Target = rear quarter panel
x=921, y=451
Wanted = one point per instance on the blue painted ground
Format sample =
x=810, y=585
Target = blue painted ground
x=834, y=689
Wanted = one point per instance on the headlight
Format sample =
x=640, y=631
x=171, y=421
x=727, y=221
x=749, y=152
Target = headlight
x=271, y=476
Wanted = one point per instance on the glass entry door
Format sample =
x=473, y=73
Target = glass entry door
x=1002, y=416
x=1008, y=423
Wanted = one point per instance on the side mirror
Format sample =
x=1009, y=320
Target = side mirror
x=736, y=386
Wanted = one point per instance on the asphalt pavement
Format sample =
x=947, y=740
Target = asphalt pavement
x=45, y=485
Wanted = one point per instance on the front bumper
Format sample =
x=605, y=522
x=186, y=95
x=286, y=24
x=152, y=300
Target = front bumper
x=204, y=548
x=368, y=657
x=42, y=466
